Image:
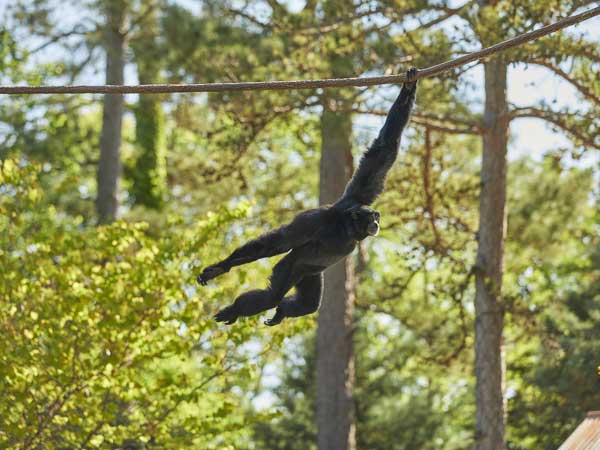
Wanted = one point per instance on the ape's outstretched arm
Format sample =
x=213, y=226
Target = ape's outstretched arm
x=368, y=180
x=281, y=240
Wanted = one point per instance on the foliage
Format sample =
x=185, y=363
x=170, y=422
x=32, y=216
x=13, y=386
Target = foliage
x=108, y=341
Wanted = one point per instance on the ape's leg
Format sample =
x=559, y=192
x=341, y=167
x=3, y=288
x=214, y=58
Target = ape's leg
x=259, y=300
x=305, y=301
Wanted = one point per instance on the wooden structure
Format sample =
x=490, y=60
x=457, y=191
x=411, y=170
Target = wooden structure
x=586, y=436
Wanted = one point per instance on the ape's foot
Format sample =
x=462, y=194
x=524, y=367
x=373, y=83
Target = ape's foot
x=276, y=319
x=209, y=273
x=227, y=315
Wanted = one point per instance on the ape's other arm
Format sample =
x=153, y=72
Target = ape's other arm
x=283, y=239
x=368, y=180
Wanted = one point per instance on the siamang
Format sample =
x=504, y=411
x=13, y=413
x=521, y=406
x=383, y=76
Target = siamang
x=318, y=238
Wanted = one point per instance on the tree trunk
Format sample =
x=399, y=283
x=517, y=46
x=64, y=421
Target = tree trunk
x=149, y=175
x=335, y=357
x=109, y=166
x=489, y=319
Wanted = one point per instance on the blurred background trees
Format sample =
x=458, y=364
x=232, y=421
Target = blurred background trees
x=109, y=341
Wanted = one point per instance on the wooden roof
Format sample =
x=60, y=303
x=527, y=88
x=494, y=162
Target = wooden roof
x=586, y=436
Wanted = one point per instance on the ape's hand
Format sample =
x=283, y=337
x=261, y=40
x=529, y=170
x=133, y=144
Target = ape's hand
x=211, y=272
x=411, y=78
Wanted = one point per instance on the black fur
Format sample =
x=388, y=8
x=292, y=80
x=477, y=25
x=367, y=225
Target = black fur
x=318, y=238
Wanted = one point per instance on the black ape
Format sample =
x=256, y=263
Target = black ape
x=318, y=238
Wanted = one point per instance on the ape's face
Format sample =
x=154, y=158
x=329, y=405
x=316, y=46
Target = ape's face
x=365, y=221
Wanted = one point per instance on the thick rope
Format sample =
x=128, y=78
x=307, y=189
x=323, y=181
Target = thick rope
x=305, y=84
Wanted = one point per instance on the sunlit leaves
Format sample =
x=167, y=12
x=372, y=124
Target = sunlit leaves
x=104, y=334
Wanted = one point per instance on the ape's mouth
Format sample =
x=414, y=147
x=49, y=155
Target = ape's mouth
x=373, y=229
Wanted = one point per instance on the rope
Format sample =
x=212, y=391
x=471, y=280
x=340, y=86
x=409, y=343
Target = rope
x=305, y=84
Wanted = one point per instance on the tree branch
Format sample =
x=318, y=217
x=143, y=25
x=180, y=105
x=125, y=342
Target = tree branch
x=139, y=19
x=561, y=73
x=432, y=122
x=79, y=30
x=557, y=119
x=429, y=204
x=240, y=12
